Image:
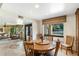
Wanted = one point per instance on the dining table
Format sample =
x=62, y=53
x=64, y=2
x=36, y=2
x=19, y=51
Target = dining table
x=42, y=47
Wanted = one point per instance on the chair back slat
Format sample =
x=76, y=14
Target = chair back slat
x=29, y=48
x=57, y=48
x=50, y=38
x=69, y=40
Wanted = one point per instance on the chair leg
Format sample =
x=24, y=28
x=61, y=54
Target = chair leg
x=61, y=47
x=71, y=50
x=33, y=53
x=66, y=50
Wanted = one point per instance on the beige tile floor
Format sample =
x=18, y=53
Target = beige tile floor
x=11, y=48
x=15, y=48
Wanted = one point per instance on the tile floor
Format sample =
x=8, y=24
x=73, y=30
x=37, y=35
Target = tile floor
x=16, y=48
x=11, y=48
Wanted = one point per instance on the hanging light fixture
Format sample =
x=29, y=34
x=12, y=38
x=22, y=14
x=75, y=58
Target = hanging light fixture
x=20, y=17
x=20, y=20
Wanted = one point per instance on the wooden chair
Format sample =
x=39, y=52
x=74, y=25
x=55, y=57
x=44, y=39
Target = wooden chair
x=57, y=48
x=50, y=38
x=68, y=44
x=29, y=48
x=55, y=52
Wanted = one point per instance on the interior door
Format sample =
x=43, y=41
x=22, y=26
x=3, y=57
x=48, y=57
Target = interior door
x=28, y=31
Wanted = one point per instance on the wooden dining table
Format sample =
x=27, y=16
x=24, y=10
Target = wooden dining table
x=42, y=47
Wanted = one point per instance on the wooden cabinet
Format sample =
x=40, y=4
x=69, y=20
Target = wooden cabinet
x=77, y=30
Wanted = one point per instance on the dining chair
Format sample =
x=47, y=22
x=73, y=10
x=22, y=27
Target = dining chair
x=41, y=52
x=57, y=48
x=69, y=43
x=29, y=48
x=29, y=38
x=54, y=51
x=50, y=38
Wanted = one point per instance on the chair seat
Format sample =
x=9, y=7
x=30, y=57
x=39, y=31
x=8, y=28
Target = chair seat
x=66, y=45
x=51, y=53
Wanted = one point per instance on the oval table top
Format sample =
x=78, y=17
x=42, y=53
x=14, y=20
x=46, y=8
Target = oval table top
x=45, y=42
x=43, y=46
x=38, y=47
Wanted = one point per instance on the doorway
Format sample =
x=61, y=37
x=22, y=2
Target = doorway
x=28, y=31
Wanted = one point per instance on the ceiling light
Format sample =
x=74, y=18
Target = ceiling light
x=37, y=6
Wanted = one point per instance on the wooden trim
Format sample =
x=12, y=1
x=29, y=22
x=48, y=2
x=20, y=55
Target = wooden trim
x=28, y=25
x=77, y=30
x=77, y=11
x=54, y=20
x=54, y=35
x=25, y=32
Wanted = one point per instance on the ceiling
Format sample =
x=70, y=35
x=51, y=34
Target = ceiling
x=45, y=10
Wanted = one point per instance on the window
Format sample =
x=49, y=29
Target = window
x=57, y=29
x=54, y=29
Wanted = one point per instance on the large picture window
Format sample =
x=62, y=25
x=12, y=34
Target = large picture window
x=57, y=29
x=54, y=29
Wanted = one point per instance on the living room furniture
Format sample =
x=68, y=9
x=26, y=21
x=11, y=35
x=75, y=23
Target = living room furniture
x=17, y=36
x=3, y=35
x=68, y=44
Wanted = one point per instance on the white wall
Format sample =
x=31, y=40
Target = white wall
x=70, y=27
x=35, y=28
x=40, y=27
